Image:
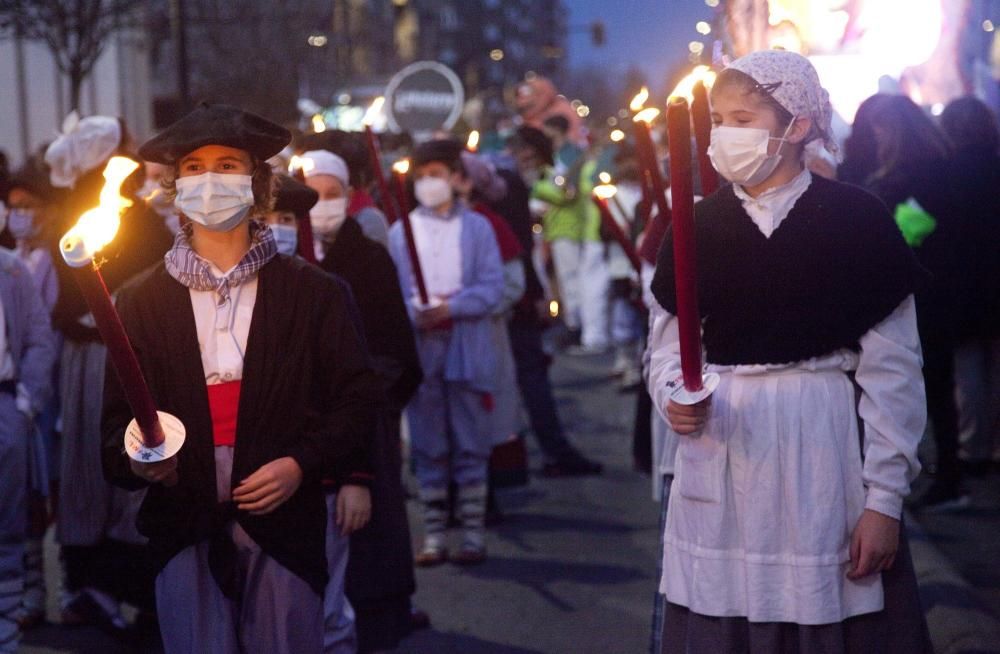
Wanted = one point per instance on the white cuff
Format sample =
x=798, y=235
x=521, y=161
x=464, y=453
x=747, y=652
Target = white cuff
x=884, y=501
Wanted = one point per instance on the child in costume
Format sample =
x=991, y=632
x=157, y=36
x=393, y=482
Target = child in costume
x=449, y=419
x=27, y=355
x=257, y=354
x=783, y=529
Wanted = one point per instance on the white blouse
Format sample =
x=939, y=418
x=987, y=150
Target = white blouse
x=439, y=246
x=769, y=209
x=223, y=329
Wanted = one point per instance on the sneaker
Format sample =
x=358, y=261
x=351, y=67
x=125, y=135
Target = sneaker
x=585, y=350
x=942, y=497
x=429, y=556
x=469, y=554
x=575, y=465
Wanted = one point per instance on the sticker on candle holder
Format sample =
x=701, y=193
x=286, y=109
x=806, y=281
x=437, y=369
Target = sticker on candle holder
x=681, y=395
x=173, y=439
x=152, y=435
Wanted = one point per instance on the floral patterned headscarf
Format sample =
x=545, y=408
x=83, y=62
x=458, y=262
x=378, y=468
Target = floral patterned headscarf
x=792, y=81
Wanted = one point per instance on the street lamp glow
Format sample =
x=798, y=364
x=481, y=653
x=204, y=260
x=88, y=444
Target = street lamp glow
x=583, y=111
x=496, y=54
x=317, y=40
x=696, y=47
x=712, y=3
x=703, y=27
x=988, y=25
x=617, y=136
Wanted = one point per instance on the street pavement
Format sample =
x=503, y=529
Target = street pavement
x=572, y=565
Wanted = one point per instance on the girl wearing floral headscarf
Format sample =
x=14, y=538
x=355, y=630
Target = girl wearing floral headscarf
x=782, y=532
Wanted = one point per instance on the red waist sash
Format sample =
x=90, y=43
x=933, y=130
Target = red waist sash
x=224, y=403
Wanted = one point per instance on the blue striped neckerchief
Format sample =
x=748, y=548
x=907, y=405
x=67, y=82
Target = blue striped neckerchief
x=195, y=272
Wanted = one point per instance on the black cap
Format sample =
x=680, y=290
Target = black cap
x=33, y=177
x=534, y=138
x=216, y=124
x=446, y=151
x=292, y=195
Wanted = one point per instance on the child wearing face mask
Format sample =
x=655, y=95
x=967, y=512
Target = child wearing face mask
x=378, y=574
x=327, y=174
x=449, y=419
x=258, y=355
x=783, y=529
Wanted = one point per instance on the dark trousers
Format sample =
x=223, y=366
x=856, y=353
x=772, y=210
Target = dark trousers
x=939, y=379
x=536, y=390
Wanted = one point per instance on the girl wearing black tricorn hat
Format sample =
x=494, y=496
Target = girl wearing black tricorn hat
x=256, y=353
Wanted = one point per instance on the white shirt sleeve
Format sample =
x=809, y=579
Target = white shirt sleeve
x=893, y=407
x=664, y=355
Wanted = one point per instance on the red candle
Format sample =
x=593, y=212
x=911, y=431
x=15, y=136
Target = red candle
x=650, y=165
x=95, y=292
x=400, y=169
x=612, y=226
x=701, y=117
x=418, y=271
x=685, y=275
x=383, y=186
x=306, y=249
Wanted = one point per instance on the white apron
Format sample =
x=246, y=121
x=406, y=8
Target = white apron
x=765, y=500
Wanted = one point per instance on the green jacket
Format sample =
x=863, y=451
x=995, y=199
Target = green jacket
x=573, y=215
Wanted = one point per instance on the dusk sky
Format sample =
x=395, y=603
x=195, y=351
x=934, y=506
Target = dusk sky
x=652, y=34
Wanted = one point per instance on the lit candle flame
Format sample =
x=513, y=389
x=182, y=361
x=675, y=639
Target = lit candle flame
x=374, y=109
x=473, y=143
x=98, y=226
x=647, y=115
x=402, y=166
x=605, y=191
x=318, y=124
x=605, y=177
x=639, y=101
x=297, y=163
x=685, y=88
x=554, y=308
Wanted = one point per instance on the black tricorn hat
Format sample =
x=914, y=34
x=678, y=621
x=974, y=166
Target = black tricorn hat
x=294, y=196
x=447, y=151
x=216, y=124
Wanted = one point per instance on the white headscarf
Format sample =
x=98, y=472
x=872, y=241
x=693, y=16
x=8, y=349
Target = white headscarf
x=82, y=146
x=792, y=81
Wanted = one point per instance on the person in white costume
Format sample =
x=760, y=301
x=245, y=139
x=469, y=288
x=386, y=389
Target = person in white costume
x=783, y=528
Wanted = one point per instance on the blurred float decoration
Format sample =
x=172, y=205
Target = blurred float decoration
x=931, y=50
x=152, y=435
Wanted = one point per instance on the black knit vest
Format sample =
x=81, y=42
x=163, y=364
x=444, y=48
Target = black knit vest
x=833, y=269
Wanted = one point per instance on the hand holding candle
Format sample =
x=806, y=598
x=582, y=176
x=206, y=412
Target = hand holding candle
x=152, y=435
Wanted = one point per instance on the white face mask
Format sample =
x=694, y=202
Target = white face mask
x=216, y=201
x=327, y=216
x=432, y=192
x=286, y=237
x=21, y=223
x=740, y=153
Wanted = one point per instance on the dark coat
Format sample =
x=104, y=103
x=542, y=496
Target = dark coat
x=308, y=392
x=381, y=562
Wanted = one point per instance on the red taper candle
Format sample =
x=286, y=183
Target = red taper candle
x=613, y=228
x=306, y=248
x=418, y=271
x=650, y=165
x=402, y=194
x=380, y=181
x=702, y=120
x=685, y=273
x=120, y=352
